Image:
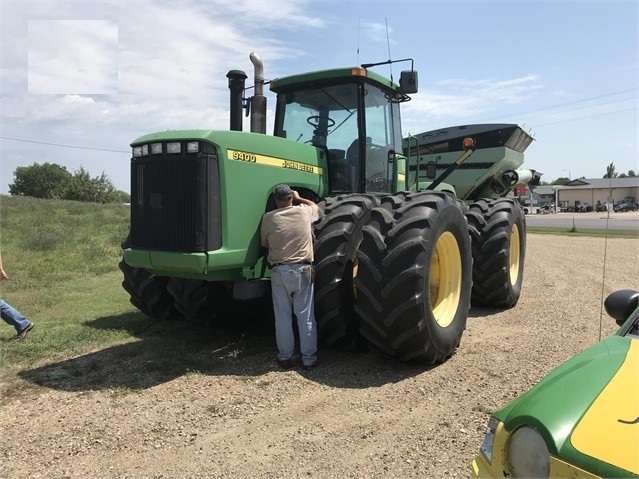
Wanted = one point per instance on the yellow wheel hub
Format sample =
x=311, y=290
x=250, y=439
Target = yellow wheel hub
x=445, y=279
x=513, y=255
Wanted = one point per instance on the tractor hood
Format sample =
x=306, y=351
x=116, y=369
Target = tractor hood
x=593, y=395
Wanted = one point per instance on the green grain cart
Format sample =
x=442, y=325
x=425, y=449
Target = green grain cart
x=399, y=252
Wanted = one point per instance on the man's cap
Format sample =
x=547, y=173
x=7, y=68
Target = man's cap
x=283, y=192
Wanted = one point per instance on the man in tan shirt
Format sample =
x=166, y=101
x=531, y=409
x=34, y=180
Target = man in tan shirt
x=287, y=232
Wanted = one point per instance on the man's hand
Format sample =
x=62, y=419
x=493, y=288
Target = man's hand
x=296, y=195
x=3, y=275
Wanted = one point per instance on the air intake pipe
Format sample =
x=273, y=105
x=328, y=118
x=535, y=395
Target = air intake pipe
x=258, y=101
x=236, y=86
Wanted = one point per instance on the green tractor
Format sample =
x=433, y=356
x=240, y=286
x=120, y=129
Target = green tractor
x=399, y=253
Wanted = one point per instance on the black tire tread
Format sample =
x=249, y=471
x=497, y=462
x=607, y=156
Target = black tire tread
x=490, y=222
x=337, y=236
x=392, y=298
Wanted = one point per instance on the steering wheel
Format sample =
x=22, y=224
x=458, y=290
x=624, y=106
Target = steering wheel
x=314, y=121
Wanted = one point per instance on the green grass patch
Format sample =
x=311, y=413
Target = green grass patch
x=62, y=260
x=583, y=232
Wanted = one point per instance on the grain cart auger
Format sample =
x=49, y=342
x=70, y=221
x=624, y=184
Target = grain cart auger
x=393, y=264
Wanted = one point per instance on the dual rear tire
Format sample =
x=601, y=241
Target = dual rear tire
x=414, y=277
x=498, y=231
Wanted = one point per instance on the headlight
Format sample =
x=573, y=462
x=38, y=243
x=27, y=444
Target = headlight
x=173, y=147
x=192, y=147
x=156, y=148
x=528, y=454
x=487, y=446
x=139, y=151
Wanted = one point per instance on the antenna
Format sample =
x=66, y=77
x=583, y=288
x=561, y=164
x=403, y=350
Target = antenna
x=390, y=63
x=603, y=275
x=358, y=40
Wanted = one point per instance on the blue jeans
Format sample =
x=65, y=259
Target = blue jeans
x=292, y=291
x=13, y=317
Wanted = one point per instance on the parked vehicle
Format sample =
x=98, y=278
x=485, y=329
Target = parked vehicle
x=581, y=420
x=625, y=207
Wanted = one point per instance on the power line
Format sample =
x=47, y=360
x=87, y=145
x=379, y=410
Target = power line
x=62, y=145
x=585, y=117
x=560, y=105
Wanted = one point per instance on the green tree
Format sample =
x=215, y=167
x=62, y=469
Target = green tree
x=40, y=181
x=561, y=181
x=81, y=187
x=632, y=174
x=122, y=196
x=610, y=171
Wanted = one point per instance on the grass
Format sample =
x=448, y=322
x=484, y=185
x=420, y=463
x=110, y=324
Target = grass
x=583, y=232
x=62, y=260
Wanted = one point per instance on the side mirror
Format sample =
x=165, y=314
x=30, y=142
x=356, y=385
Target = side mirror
x=408, y=81
x=620, y=304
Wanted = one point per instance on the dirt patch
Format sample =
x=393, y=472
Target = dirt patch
x=223, y=408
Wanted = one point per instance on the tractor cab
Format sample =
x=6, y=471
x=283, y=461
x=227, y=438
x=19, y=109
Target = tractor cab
x=352, y=116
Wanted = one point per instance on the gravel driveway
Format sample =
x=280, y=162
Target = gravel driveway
x=355, y=416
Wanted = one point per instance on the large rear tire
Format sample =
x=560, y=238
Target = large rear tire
x=414, y=277
x=148, y=291
x=498, y=231
x=337, y=236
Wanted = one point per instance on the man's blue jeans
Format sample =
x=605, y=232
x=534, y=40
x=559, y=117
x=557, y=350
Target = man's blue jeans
x=292, y=291
x=13, y=317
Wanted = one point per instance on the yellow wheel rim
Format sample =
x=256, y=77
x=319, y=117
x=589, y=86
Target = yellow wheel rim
x=445, y=279
x=513, y=255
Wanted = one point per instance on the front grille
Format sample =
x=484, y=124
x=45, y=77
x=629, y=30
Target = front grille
x=175, y=203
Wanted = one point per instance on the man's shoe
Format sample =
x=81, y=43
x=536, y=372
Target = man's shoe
x=285, y=363
x=23, y=334
x=311, y=365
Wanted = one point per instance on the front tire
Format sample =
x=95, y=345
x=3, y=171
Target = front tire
x=148, y=292
x=197, y=300
x=414, y=277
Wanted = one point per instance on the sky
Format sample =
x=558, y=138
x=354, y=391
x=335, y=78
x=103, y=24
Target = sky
x=80, y=80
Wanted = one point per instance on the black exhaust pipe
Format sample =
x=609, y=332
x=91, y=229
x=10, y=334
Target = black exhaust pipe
x=236, y=86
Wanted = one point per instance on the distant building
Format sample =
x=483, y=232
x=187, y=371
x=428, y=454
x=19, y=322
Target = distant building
x=588, y=192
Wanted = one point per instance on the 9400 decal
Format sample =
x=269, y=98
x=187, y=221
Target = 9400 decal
x=272, y=161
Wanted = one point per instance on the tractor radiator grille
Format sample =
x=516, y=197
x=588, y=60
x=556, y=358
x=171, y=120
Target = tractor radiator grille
x=175, y=203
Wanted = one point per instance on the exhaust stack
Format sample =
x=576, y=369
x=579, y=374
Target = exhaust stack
x=236, y=86
x=258, y=101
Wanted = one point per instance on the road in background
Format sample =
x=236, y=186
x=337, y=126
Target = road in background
x=586, y=221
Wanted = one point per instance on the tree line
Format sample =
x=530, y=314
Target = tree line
x=51, y=181
x=611, y=172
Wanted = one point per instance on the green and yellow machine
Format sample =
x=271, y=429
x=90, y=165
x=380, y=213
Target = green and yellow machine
x=394, y=248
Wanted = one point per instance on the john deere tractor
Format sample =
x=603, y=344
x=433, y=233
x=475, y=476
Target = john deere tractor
x=394, y=248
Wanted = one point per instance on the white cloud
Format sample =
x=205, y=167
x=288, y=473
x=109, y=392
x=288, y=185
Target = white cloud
x=73, y=56
x=459, y=100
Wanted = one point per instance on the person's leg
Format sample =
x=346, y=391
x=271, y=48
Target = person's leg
x=13, y=317
x=283, y=309
x=305, y=312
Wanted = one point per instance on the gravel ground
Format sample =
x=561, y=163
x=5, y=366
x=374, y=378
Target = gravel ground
x=355, y=416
